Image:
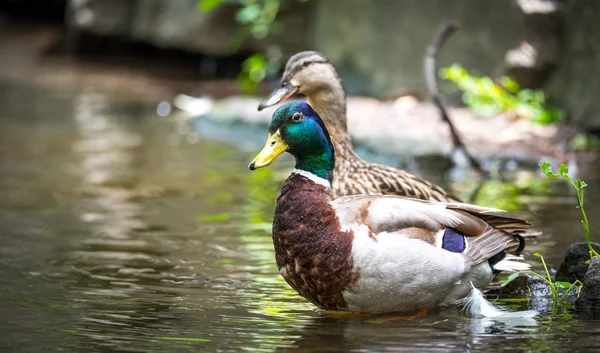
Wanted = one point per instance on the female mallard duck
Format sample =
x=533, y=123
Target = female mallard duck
x=312, y=74
x=371, y=253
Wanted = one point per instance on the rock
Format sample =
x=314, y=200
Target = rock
x=178, y=24
x=574, y=266
x=538, y=54
x=534, y=288
x=524, y=286
x=108, y=17
x=574, y=84
x=380, y=47
x=590, y=294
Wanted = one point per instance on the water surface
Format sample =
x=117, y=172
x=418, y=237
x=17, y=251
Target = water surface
x=122, y=231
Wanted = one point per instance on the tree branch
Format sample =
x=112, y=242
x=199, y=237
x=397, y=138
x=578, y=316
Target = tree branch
x=431, y=79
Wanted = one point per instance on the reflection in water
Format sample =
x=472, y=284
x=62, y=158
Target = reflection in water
x=108, y=157
x=121, y=273
x=443, y=332
x=116, y=239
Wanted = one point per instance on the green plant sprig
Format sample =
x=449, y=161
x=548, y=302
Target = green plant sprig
x=554, y=285
x=257, y=19
x=578, y=185
x=488, y=98
x=258, y=15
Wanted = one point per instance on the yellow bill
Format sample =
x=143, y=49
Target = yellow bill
x=273, y=148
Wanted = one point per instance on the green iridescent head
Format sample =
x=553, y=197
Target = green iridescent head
x=296, y=128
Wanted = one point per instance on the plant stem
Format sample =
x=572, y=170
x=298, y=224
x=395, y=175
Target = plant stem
x=547, y=272
x=577, y=282
x=584, y=221
x=552, y=286
x=586, y=227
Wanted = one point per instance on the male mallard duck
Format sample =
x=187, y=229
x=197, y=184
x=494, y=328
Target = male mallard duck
x=312, y=74
x=374, y=253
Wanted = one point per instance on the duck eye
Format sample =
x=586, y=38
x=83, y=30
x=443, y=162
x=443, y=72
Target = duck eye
x=297, y=117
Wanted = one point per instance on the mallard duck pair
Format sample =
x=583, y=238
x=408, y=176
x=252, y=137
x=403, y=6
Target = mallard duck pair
x=374, y=253
x=369, y=252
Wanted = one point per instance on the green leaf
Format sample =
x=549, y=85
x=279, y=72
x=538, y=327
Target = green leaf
x=546, y=168
x=587, y=262
x=564, y=171
x=585, y=142
x=510, y=278
x=260, y=30
x=484, y=97
x=248, y=14
x=208, y=5
x=582, y=183
x=563, y=285
x=509, y=84
x=537, y=254
x=565, y=316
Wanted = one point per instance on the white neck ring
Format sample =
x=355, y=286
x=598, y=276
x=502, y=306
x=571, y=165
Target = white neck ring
x=312, y=177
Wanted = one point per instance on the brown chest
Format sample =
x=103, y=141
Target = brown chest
x=312, y=254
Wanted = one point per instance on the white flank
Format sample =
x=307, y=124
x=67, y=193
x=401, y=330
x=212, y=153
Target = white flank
x=423, y=276
x=314, y=178
x=512, y=263
x=475, y=305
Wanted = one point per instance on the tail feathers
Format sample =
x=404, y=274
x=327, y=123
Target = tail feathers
x=511, y=263
x=475, y=305
x=531, y=233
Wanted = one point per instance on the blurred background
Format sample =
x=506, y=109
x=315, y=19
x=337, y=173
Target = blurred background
x=130, y=222
x=527, y=59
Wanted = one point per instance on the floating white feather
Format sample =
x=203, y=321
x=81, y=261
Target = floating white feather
x=476, y=305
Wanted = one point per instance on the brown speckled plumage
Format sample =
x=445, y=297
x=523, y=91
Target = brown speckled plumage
x=312, y=254
x=354, y=176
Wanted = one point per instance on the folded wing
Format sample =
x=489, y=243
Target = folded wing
x=486, y=233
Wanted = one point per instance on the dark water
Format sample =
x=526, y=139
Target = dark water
x=122, y=231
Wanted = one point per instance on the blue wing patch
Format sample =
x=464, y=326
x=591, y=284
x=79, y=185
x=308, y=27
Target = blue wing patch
x=453, y=241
